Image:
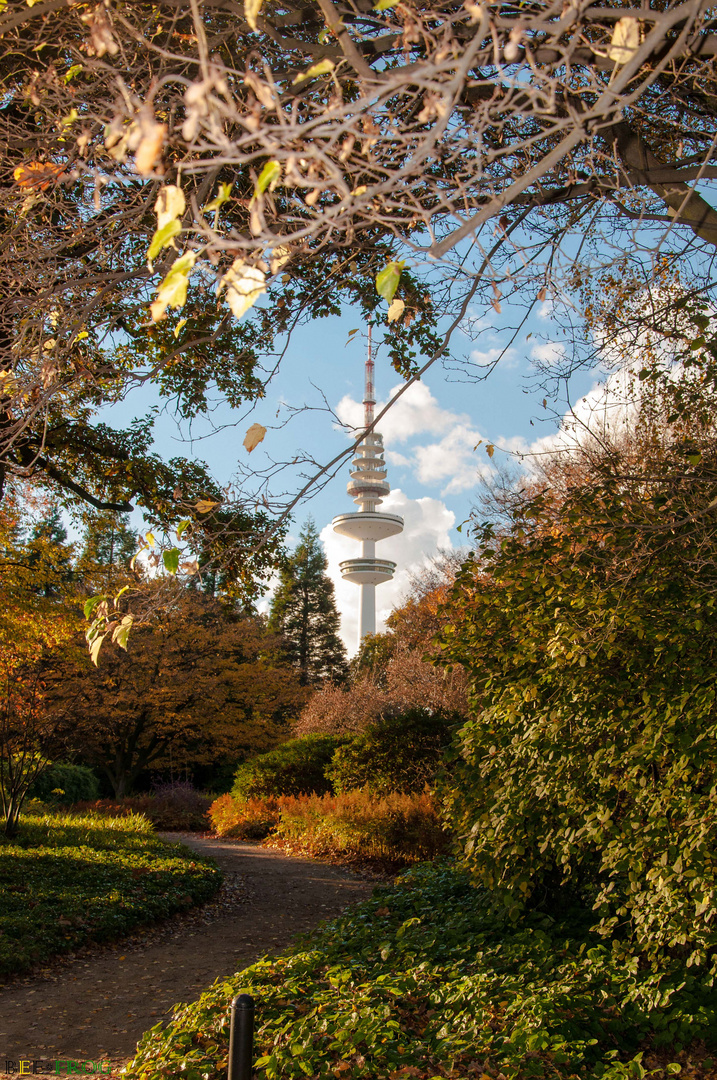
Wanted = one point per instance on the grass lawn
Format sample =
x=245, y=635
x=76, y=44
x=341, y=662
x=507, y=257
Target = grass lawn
x=423, y=981
x=66, y=879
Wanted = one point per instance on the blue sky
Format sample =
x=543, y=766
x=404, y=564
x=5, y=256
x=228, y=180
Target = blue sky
x=430, y=435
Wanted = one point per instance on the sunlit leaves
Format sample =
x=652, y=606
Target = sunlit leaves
x=205, y=506
x=173, y=290
x=251, y=11
x=268, y=178
x=625, y=40
x=254, y=436
x=162, y=238
x=169, y=207
x=120, y=634
x=387, y=279
x=323, y=67
x=244, y=285
x=223, y=195
x=170, y=560
x=396, y=310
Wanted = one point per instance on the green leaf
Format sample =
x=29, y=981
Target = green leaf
x=225, y=192
x=387, y=280
x=268, y=176
x=171, y=560
x=91, y=604
x=163, y=237
x=384, y=5
x=72, y=71
x=324, y=67
x=182, y=527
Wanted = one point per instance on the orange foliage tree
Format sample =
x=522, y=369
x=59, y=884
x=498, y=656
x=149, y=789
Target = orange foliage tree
x=394, y=671
x=35, y=624
x=198, y=686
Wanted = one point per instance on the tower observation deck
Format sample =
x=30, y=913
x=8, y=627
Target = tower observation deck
x=368, y=487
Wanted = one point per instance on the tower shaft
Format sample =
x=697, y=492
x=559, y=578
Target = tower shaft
x=368, y=487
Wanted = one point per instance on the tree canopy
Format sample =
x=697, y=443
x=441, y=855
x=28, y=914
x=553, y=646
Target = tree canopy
x=286, y=160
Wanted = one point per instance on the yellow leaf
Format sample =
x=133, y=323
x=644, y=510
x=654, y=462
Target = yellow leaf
x=251, y=10
x=254, y=436
x=324, y=67
x=490, y=450
x=178, y=327
x=360, y=190
x=203, y=506
x=170, y=204
x=150, y=539
x=95, y=648
x=150, y=148
x=625, y=40
x=245, y=284
x=279, y=256
x=395, y=310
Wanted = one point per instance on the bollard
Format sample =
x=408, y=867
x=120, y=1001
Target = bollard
x=241, y=1037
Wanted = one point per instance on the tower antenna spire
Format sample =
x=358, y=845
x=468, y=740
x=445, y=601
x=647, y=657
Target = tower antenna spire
x=368, y=486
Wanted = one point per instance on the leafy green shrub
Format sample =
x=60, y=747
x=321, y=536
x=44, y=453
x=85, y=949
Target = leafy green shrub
x=591, y=769
x=62, y=784
x=356, y=826
x=399, y=752
x=424, y=981
x=297, y=767
x=70, y=878
x=244, y=819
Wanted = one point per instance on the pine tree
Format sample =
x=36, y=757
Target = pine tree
x=109, y=544
x=48, y=555
x=304, y=612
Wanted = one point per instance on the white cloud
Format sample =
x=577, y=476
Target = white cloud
x=548, y=352
x=427, y=525
x=415, y=412
x=452, y=459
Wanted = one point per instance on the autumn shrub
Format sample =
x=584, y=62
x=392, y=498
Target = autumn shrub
x=63, y=784
x=355, y=826
x=296, y=767
x=72, y=878
x=244, y=819
x=407, y=681
x=400, y=751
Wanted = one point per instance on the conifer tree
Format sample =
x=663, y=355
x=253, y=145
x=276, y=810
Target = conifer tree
x=304, y=612
x=109, y=544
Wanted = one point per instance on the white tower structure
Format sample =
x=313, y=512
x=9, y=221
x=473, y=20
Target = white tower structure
x=368, y=486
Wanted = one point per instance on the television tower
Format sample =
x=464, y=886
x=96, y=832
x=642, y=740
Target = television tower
x=368, y=487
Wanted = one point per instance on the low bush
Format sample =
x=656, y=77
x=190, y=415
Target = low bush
x=425, y=981
x=297, y=767
x=250, y=819
x=174, y=807
x=399, y=752
x=62, y=784
x=356, y=826
x=71, y=878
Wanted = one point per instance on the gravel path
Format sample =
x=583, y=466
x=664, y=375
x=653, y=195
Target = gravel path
x=96, y=1004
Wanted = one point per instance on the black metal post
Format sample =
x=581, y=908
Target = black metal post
x=241, y=1037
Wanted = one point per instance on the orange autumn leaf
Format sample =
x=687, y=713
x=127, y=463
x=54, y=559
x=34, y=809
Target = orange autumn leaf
x=38, y=174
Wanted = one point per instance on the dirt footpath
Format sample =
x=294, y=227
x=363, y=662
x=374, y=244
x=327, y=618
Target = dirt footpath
x=96, y=1005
